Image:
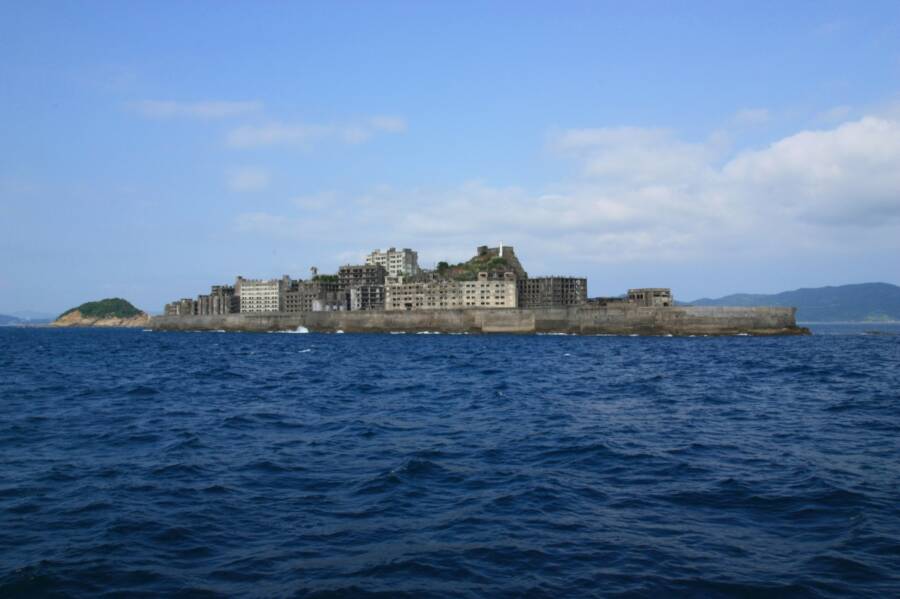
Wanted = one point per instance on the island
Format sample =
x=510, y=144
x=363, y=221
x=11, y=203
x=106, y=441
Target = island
x=490, y=293
x=110, y=312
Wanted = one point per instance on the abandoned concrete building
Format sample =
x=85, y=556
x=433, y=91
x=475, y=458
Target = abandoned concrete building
x=545, y=292
x=396, y=262
x=220, y=300
x=489, y=290
x=651, y=296
x=183, y=307
x=393, y=281
x=261, y=295
x=367, y=297
x=361, y=275
x=306, y=296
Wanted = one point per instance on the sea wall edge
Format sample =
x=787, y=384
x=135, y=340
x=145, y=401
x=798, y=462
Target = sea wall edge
x=584, y=320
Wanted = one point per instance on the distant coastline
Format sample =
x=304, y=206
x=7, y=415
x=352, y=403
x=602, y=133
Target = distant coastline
x=857, y=303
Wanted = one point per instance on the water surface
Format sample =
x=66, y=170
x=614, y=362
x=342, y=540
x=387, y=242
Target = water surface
x=449, y=465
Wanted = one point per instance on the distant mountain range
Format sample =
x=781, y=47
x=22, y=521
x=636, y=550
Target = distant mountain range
x=9, y=321
x=865, y=302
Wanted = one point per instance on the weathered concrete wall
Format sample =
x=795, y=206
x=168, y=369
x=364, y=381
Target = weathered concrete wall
x=618, y=319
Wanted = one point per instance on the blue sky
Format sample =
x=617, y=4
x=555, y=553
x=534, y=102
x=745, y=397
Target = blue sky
x=149, y=150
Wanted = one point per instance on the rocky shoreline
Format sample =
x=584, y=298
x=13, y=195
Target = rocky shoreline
x=76, y=319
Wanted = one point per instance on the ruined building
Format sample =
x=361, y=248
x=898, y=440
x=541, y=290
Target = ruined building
x=367, y=297
x=396, y=262
x=316, y=295
x=651, y=296
x=362, y=275
x=548, y=292
x=511, y=262
x=183, y=307
x=489, y=290
x=220, y=300
x=393, y=281
x=261, y=295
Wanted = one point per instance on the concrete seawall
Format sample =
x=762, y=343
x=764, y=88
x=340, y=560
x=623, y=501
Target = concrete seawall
x=585, y=320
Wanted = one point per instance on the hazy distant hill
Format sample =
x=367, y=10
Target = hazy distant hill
x=33, y=315
x=7, y=320
x=846, y=303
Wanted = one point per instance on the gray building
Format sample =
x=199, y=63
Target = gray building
x=367, y=275
x=367, y=297
x=396, y=262
x=548, y=292
x=222, y=300
x=489, y=290
x=261, y=295
x=307, y=296
x=651, y=296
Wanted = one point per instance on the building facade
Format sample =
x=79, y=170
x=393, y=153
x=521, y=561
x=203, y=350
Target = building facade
x=261, y=295
x=314, y=296
x=183, y=307
x=361, y=275
x=367, y=297
x=548, y=292
x=489, y=290
x=651, y=296
x=222, y=300
x=396, y=262
x=392, y=280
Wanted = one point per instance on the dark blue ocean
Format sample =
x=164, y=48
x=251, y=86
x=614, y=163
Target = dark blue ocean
x=204, y=464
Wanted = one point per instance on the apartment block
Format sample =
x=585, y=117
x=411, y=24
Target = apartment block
x=396, y=262
x=261, y=295
x=367, y=275
x=314, y=296
x=367, y=297
x=549, y=292
x=489, y=290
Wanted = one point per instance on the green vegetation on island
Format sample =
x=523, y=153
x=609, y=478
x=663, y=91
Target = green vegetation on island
x=113, y=307
x=468, y=271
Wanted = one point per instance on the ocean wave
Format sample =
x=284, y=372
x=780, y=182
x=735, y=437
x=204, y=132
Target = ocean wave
x=448, y=465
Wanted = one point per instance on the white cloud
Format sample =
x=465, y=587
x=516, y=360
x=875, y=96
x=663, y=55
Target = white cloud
x=248, y=178
x=849, y=175
x=304, y=134
x=208, y=109
x=634, y=156
x=647, y=195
